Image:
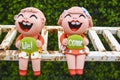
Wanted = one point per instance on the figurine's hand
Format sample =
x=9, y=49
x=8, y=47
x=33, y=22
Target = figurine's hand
x=85, y=42
x=38, y=43
x=65, y=42
x=18, y=44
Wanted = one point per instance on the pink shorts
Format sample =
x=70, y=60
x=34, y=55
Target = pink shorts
x=77, y=52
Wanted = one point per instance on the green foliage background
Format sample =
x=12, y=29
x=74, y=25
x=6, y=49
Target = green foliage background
x=103, y=12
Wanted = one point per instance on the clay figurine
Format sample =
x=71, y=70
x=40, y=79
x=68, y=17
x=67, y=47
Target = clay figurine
x=75, y=22
x=29, y=22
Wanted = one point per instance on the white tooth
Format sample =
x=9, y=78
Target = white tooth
x=77, y=23
x=24, y=23
x=73, y=23
x=28, y=23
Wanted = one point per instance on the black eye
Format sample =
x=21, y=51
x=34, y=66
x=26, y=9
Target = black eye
x=67, y=15
x=81, y=15
x=33, y=16
x=20, y=15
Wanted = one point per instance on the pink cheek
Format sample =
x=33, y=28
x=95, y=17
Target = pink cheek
x=18, y=27
x=19, y=19
x=64, y=23
x=36, y=28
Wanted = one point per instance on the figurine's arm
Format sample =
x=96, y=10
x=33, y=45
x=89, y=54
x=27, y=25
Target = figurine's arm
x=86, y=41
x=63, y=39
x=17, y=43
x=40, y=41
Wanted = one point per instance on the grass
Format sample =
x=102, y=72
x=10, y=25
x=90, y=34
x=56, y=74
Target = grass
x=59, y=71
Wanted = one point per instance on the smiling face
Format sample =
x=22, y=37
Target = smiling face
x=74, y=21
x=30, y=21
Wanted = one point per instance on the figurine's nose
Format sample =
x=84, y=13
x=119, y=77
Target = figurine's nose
x=74, y=18
x=25, y=18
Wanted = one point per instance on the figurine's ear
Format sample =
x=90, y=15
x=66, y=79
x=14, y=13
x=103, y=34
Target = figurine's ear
x=15, y=17
x=90, y=21
x=61, y=18
x=43, y=20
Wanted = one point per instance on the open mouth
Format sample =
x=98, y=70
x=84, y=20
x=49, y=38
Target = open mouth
x=74, y=25
x=25, y=26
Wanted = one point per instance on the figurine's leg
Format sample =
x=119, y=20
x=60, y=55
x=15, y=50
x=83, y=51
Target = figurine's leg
x=36, y=57
x=71, y=64
x=80, y=60
x=23, y=63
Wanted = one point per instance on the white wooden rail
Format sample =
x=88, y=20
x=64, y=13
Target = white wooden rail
x=100, y=53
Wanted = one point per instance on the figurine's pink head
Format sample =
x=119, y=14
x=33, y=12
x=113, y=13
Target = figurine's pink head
x=30, y=21
x=75, y=20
